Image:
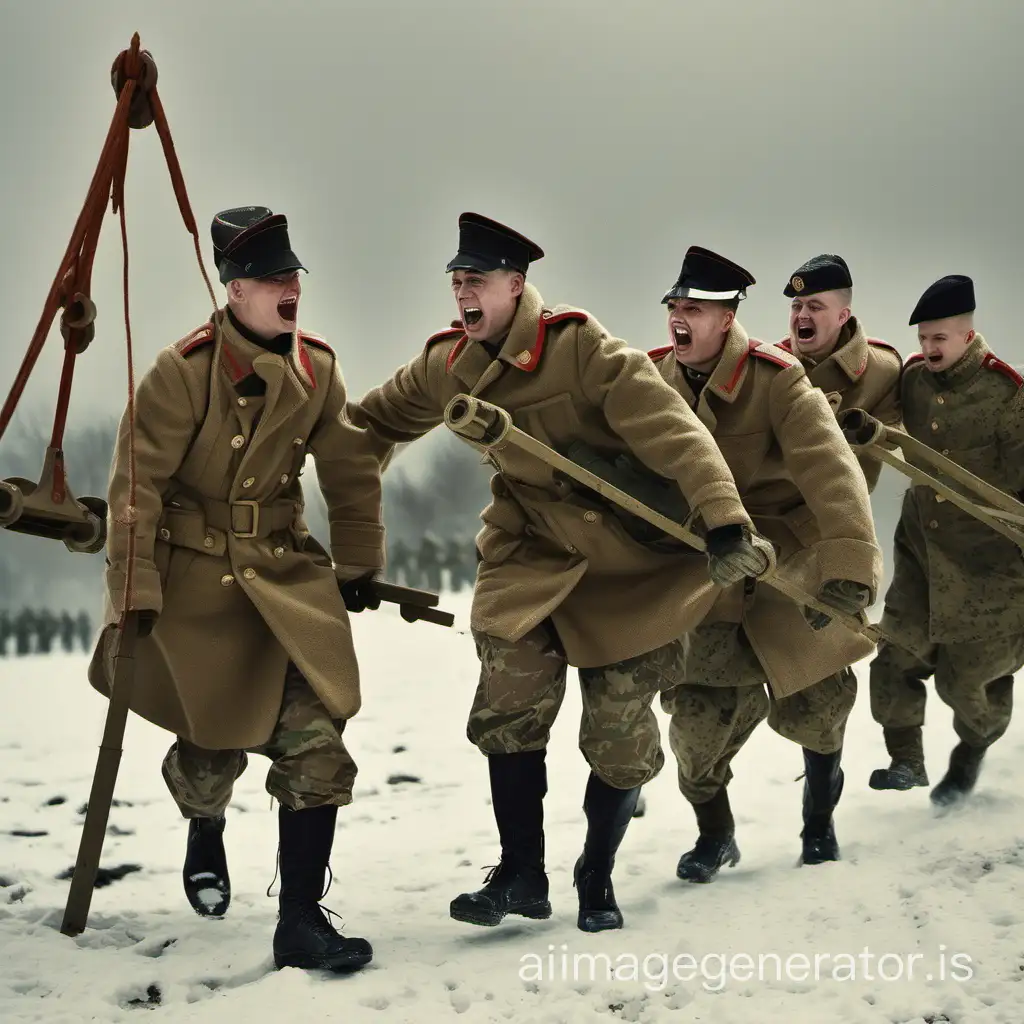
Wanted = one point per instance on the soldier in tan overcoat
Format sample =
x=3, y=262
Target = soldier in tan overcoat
x=757, y=654
x=560, y=581
x=854, y=371
x=245, y=643
x=955, y=606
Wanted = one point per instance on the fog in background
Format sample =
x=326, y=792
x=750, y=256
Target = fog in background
x=615, y=134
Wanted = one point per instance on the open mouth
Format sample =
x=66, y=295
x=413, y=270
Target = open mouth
x=805, y=333
x=681, y=336
x=472, y=315
x=287, y=308
x=935, y=358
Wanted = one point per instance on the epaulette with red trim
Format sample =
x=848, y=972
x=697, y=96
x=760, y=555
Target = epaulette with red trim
x=786, y=344
x=916, y=357
x=529, y=358
x=878, y=343
x=773, y=354
x=659, y=353
x=316, y=340
x=993, y=362
x=449, y=332
x=199, y=337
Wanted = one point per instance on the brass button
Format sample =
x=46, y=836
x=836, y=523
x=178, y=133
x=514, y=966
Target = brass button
x=284, y=478
x=297, y=441
x=279, y=552
x=249, y=574
x=165, y=534
x=934, y=524
x=570, y=549
x=524, y=357
x=935, y=424
x=237, y=441
x=227, y=579
x=249, y=481
x=940, y=400
x=945, y=451
x=590, y=517
x=207, y=541
x=546, y=315
x=243, y=402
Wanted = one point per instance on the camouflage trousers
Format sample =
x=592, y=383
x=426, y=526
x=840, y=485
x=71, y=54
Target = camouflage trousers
x=522, y=684
x=974, y=679
x=724, y=699
x=311, y=766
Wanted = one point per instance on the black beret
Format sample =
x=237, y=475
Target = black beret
x=823, y=273
x=706, y=275
x=484, y=244
x=949, y=296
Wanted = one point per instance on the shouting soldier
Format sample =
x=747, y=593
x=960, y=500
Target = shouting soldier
x=854, y=371
x=956, y=602
x=803, y=487
x=245, y=644
x=560, y=582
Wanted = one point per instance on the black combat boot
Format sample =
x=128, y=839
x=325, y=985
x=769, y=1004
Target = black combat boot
x=906, y=771
x=304, y=937
x=823, y=785
x=205, y=874
x=961, y=776
x=518, y=885
x=715, y=845
x=609, y=811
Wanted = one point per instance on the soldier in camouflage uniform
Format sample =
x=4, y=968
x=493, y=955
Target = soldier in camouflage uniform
x=956, y=602
x=245, y=643
x=428, y=561
x=854, y=371
x=24, y=627
x=555, y=561
x=805, y=492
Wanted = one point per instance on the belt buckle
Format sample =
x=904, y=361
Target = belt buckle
x=254, y=531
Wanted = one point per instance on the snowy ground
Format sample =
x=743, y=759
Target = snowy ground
x=740, y=950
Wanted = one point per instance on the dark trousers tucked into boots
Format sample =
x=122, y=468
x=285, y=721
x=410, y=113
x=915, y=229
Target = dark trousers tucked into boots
x=961, y=776
x=304, y=937
x=716, y=844
x=905, y=746
x=609, y=811
x=823, y=785
x=518, y=885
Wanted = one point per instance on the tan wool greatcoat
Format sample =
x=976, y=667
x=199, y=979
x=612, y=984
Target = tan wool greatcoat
x=859, y=373
x=548, y=547
x=800, y=482
x=221, y=550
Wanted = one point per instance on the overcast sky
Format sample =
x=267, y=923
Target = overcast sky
x=615, y=134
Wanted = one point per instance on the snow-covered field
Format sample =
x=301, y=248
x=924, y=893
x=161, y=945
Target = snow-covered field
x=938, y=898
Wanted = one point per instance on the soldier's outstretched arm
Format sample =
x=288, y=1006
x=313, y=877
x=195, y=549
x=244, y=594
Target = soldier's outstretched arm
x=405, y=407
x=825, y=471
x=348, y=469
x=660, y=428
x=165, y=422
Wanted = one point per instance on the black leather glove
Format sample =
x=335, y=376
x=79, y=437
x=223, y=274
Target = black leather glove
x=846, y=596
x=359, y=594
x=734, y=554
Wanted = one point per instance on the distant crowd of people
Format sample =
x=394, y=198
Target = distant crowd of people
x=433, y=564
x=41, y=631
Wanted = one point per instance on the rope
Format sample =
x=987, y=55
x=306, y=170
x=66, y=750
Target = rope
x=133, y=77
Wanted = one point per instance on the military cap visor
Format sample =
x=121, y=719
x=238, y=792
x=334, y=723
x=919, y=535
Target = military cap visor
x=949, y=296
x=823, y=273
x=487, y=245
x=252, y=242
x=706, y=275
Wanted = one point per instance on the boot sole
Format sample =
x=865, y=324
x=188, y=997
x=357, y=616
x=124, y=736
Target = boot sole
x=478, y=916
x=310, y=962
